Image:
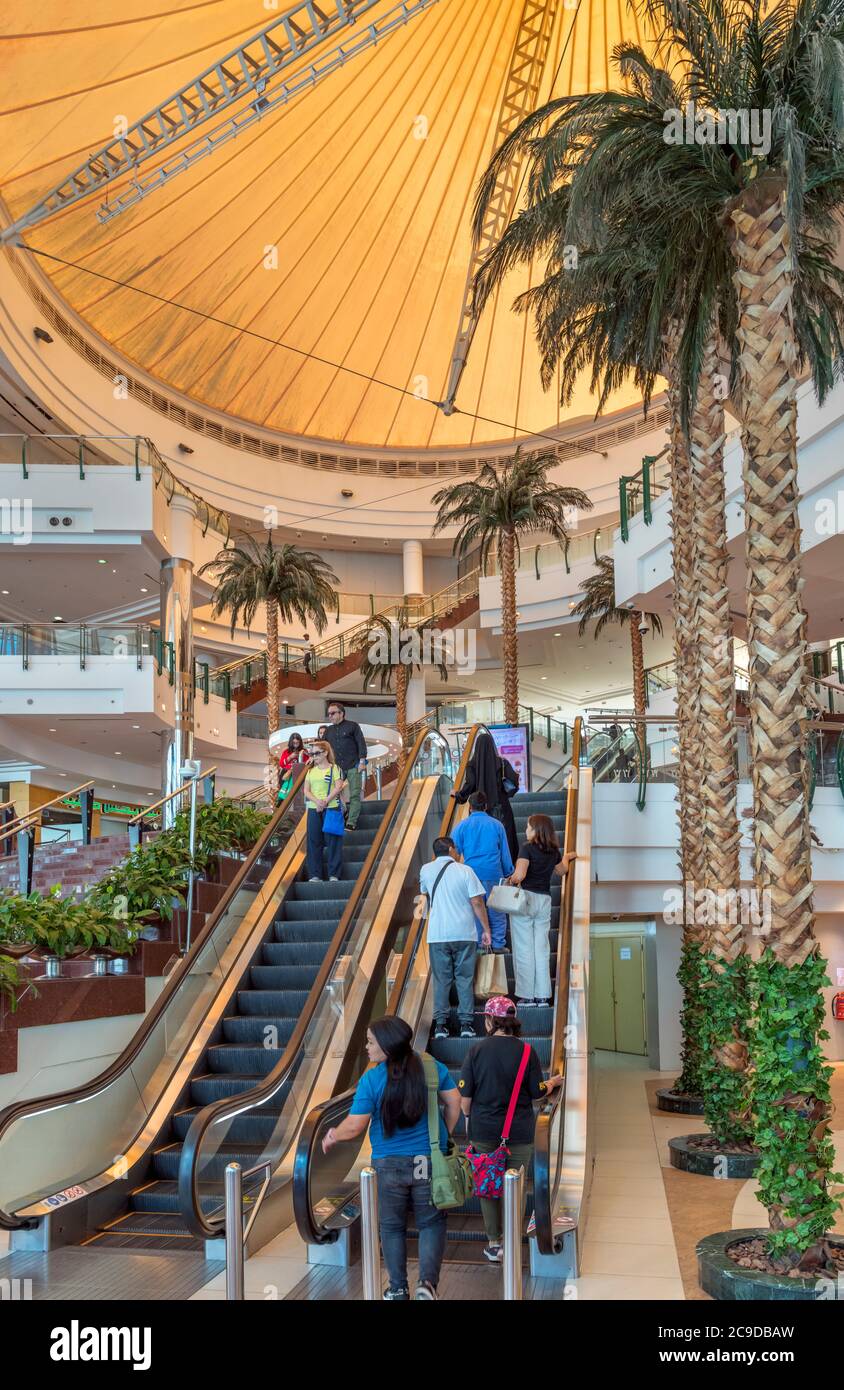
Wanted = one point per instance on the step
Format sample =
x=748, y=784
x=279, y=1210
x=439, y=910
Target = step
x=451, y=1051
x=280, y=1003
x=259, y=1030
x=255, y=1127
x=290, y=977
x=210, y=1086
x=212, y=1167
x=234, y=1057
x=321, y=907
x=163, y=1196
x=306, y=929
x=271, y=976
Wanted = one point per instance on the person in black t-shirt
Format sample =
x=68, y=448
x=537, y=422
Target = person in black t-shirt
x=486, y=1083
x=539, y=859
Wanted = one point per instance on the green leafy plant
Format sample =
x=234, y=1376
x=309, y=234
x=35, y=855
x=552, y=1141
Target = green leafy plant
x=725, y=1079
x=792, y=1104
x=690, y=1081
x=10, y=981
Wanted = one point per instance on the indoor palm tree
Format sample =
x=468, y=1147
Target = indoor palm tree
x=598, y=605
x=391, y=650
x=776, y=201
x=288, y=581
x=506, y=502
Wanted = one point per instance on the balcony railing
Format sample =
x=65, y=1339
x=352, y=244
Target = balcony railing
x=636, y=491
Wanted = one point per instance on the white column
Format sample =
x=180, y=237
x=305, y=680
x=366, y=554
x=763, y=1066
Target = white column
x=414, y=588
x=177, y=629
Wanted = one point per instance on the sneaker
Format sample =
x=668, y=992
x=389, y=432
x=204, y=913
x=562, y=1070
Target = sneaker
x=396, y=1296
x=494, y=1253
x=441, y=1031
x=425, y=1293
x=467, y=1031
x=334, y=879
x=542, y=1003
x=314, y=879
x=525, y=1003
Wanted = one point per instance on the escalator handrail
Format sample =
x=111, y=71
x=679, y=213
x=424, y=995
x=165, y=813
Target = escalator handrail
x=133, y=1048
x=337, y=1107
x=220, y=1110
x=546, y=1182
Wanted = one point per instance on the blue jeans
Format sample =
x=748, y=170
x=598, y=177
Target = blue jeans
x=453, y=963
x=317, y=840
x=401, y=1192
x=497, y=919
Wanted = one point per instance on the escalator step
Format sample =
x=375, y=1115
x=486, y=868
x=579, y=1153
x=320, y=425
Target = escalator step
x=293, y=978
x=259, y=1030
x=325, y=909
x=164, y=1197
x=271, y=976
x=451, y=1051
x=212, y=1168
x=287, y=1003
x=208, y=1087
x=256, y=1127
x=320, y=929
x=232, y=1057
x=303, y=891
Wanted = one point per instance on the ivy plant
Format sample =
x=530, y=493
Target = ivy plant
x=724, y=1073
x=690, y=1081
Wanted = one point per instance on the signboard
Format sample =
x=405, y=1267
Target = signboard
x=107, y=808
x=624, y=953
x=513, y=743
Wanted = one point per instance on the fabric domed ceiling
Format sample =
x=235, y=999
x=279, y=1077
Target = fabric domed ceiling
x=370, y=223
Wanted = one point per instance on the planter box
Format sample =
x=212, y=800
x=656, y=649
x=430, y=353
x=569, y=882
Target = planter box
x=677, y=1103
x=724, y=1280
x=710, y=1163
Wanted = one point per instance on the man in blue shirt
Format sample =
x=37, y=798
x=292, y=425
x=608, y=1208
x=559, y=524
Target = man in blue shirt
x=482, y=840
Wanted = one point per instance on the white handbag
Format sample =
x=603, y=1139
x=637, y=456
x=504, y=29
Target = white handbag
x=507, y=897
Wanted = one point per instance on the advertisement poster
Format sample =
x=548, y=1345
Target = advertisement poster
x=513, y=743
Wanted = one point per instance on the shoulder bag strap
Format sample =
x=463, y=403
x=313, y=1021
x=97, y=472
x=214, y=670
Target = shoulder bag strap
x=432, y=1082
x=437, y=882
x=511, y=1108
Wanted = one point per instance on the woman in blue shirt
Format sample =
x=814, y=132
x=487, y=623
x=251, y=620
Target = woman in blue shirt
x=392, y=1101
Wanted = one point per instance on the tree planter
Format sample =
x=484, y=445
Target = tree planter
x=711, y=1163
x=726, y=1281
x=678, y=1103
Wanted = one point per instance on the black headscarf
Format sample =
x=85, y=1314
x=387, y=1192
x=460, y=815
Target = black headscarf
x=486, y=773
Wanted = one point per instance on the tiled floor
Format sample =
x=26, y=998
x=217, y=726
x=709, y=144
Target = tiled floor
x=629, y=1251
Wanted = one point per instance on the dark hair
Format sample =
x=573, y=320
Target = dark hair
x=321, y=730
x=443, y=844
x=405, y=1098
x=510, y=1025
x=337, y=705
x=478, y=801
x=544, y=834
x=300, y=744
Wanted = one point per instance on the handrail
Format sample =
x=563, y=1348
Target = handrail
x=189, y=1203
x=23, y=821
x=177, y=791
x=336, y=1106
x=546, y=1183
x=121, y=1063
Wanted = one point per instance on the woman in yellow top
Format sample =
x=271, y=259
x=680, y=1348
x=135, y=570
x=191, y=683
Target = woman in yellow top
x=323, y=784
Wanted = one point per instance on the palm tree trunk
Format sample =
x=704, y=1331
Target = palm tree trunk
x=792, y=1104
x=688, y=701
x=509, y=626
x=272, y=679
x=724, y=1064
x=401, y=711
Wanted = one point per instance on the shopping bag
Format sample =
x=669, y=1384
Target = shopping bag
x=490, y=975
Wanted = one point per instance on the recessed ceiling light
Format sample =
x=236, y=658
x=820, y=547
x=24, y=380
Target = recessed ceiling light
x=62, y=774
x=144, y=591
x=58, y=618
x=102, y=562
x=136, y=726
x=4, y=591
x=118, y=755
x=558, y=634
x=51, y=731
x=544, y=678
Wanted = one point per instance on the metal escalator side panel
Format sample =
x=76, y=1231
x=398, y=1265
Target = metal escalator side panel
x=146, y=1094
x=308, y=1041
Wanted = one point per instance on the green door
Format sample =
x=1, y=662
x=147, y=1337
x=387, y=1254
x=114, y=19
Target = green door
x=601, y=1007
x=629, y=992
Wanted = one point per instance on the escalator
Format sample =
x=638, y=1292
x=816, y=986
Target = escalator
x=255, y=1023
x=325, y=1187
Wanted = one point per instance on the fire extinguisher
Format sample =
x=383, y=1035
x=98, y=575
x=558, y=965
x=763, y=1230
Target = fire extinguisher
x=838, y=1008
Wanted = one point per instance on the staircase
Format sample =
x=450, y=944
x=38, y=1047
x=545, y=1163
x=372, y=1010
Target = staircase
x=466, y=1237
x=272, y=995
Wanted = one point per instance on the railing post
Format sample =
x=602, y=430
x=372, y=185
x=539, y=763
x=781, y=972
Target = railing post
x=82, y=632
x=209, y=785
x=227, y=686
x=646, y=490
x=530, y=721
x=565, y=737
x=622, y=507
x=86, y=812
x=25, y=647
x=378, y=781
x=137, y=458
x=512, y=1262
x=82, y=457
x=26, y=854
x=370, y=1249
x=234, y=1232
x=139, y=646
x=23, y=458
x=192, y=852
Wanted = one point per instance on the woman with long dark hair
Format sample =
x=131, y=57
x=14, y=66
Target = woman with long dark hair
x=491, y=774
x=294, y=756
x=539, y=859
x=392, y=1101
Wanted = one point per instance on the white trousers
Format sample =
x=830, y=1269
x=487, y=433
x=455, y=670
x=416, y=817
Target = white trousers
x=531, y=949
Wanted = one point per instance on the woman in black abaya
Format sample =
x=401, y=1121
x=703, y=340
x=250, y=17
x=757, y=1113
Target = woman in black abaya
x=487, y=772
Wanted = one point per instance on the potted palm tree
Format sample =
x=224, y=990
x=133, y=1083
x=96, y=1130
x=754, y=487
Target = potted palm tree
x=495, y=511
x=391, y=650
x=773, y=206
x=288, y=581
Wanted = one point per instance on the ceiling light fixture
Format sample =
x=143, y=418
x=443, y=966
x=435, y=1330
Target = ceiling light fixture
x=42, y=335
x=118, y=754
x=102, y=562
x=144, y=591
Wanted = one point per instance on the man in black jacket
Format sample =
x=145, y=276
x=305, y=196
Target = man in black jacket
x=349, y=747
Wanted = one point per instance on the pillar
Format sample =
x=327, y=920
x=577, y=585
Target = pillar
x=177, y=629
x=414, y=589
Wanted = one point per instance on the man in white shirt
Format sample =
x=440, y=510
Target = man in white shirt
x=456, y=897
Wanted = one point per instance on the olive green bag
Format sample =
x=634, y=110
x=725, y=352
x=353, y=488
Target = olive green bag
x=451, y=1176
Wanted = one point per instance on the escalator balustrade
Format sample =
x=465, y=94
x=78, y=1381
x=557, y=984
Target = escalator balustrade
x=246, y=1048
